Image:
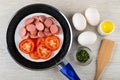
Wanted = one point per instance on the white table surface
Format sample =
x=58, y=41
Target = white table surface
x=109, y=9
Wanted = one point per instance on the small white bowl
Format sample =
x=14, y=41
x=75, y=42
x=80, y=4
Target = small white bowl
x=101, y=32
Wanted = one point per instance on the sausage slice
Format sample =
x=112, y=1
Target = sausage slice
x=39, y=26
x=31, y=27
x=54, y=29
x=22, y=32
x=48, y=22
x=42, y=18
x=33, y=32
x=51, y=18
x=41, y=34
x=29, y=21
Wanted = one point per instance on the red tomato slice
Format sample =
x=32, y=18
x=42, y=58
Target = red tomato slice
x=40, y=41
x=52, y=42
x=43, y=52
x=34, y=55
x=26, y=46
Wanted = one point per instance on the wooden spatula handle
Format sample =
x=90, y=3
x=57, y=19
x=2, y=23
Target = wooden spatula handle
x=104, y=56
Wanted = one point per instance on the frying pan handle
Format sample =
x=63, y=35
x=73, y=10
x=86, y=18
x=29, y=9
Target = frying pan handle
x=68, y=71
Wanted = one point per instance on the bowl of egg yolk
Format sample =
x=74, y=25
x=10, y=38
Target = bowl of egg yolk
x=106, y=27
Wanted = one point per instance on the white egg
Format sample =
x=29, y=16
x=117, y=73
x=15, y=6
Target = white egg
x=87, y=38
x=93, y=16
x=79, y=21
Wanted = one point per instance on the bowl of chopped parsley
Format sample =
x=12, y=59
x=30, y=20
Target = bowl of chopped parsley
x=84, y=55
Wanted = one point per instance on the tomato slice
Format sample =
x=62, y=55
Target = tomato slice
x=26, y=46
x=34, y=55
x=52, y=42
x=43, y=52
x=40, y=41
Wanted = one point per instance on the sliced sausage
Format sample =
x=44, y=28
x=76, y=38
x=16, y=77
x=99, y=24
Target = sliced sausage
x=29, y=21
x=47, y=33
x=46, y=30
x=54, y=29
x=39, y=26
x=41, y=34
x=36, y=18
x=48, y=22
x=31, y=27
x=42, y=18
x=33, y=32
x=53, y=20
x=22, y=32
x=26, y=36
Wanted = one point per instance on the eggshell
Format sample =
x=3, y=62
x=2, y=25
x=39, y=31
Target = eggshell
x=93, y=16
x=79, y=21
x=87, y=38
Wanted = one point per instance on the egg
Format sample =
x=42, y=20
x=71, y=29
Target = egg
x=79, y=21
x=87, y=38
x=93, y=16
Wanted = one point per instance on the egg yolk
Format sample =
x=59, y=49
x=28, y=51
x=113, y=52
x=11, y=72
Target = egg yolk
x=107, y=26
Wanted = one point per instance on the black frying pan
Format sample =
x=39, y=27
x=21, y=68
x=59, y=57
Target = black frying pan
x=65, y=67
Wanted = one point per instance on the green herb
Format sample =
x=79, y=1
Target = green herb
x=82, y=56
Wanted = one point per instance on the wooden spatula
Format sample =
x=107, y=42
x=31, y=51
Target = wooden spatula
x=104, y=56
